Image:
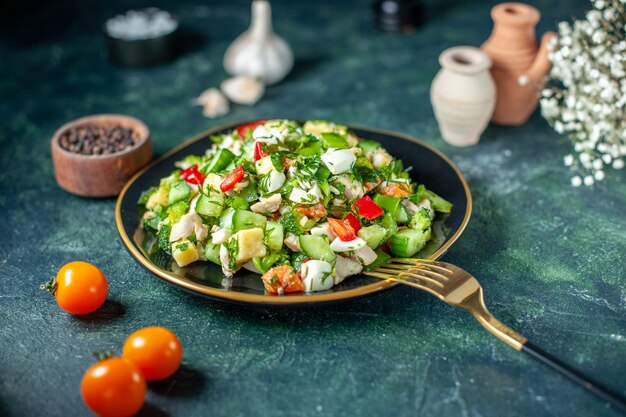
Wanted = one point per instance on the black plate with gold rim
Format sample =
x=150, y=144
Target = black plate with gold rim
x=430, y=167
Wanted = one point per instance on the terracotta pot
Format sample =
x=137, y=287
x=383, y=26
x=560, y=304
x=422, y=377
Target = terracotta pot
x=519, y=65
x=100, y=175
x=463, y=95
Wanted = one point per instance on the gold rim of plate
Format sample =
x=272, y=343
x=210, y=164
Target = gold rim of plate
x=273, y=299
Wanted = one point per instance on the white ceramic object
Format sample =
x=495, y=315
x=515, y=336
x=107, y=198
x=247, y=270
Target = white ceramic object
x=463, y=95
x=259, y=52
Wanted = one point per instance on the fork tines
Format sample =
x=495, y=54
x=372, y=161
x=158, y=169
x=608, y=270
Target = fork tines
x=426, y=274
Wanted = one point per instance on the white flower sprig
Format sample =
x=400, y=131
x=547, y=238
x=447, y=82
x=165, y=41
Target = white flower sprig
x=586, y=95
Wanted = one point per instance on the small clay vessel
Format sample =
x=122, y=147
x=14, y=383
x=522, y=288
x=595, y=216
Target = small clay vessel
x=519, y=65
x=100, y=175
x=463, y=95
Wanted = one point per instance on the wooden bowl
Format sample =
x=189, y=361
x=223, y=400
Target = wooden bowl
x=100, y=175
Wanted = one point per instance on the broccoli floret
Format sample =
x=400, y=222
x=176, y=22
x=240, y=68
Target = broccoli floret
x=420, y=220
x=291, y=222
x=177, y=210
x=164, y=238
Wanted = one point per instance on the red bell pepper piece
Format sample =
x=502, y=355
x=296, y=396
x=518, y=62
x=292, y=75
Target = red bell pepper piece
x=354, y=222
x=243, y=129
x=367, y=208
x=259, y=153
x=342, y=229
x=232, y=179
x=275, y=215
x=192, y=175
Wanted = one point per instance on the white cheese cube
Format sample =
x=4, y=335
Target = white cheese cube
x=311, y=196
x=275, y=181
x=261, y=134
x=264, y=165
x=316, y=275
x=249, y=244
x=339, y=245
x=213, y=181
x=185, y=252
x=338, y=160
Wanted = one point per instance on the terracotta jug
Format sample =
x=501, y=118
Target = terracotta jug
x=519, y=65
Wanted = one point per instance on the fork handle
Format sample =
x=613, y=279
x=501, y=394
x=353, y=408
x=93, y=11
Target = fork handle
x=475, y=305
x=601, y=391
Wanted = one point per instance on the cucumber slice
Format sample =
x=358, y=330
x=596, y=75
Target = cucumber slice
x=226, y=219
x=389, y=223
x=212, y=253
x=210, y=206
x=317, y=248
x=408, y=242
x=220, y=161
x=244, y=219
x=178, y=191
x=274, y=235
x=334, y=140
x=401, y=215
x=374, y=235
x=390, y=204
x=310, y=150
x=368, y=145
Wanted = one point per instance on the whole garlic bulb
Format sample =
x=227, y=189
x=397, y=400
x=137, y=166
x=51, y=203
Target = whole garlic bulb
x=259, y=52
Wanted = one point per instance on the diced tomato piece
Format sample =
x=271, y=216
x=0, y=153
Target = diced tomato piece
x=242, y=130
x=275, y=215
x=354, y=222
x=367, y=208
x=395, y=190
x=192, y=175
x=282, y=279
x=313, y=212
x=232, y=179
x=259, y=153
x=342, y=229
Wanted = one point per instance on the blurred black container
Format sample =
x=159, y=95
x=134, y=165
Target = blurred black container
x=144, y=52
x=398, y=15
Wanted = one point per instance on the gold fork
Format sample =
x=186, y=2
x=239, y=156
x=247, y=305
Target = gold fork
x=458, y=288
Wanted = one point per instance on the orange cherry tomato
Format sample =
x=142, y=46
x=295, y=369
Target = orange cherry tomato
x=395, y=190
x=342, y=228
x=80, y=288
x=156, y=351
x=282, y=279
x=113, y=387
x=314, y=212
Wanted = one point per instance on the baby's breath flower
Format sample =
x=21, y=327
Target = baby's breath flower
x=586, y=98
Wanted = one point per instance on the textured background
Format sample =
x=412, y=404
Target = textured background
x=551, y=258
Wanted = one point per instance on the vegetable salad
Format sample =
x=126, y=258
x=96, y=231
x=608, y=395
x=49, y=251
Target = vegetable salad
x=305, y=206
